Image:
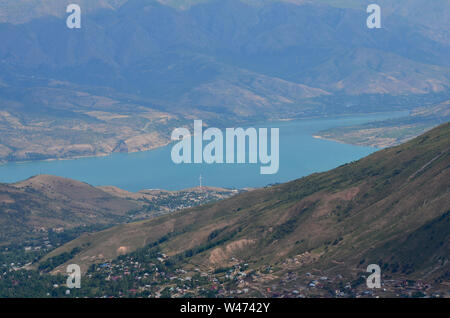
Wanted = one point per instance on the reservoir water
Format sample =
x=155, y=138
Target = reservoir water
x=300, y=154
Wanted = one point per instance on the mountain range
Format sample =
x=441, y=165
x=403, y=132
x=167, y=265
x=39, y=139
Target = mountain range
x=137, y=69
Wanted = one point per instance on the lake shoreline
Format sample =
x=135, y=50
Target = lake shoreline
x=257, y=124
x=301, y=154
x=99, y=155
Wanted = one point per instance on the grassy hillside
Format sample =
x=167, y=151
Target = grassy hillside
x=43, y=204
x=375, y=210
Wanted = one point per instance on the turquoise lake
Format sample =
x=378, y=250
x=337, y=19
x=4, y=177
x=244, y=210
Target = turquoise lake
x=300, y=155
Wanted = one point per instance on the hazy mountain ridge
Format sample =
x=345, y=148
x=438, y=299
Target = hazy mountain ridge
x=149, y=68
x=226, y=28
x=18, y=12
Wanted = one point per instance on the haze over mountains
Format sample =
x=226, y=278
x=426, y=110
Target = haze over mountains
x=303, y=42
x=137, y=68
